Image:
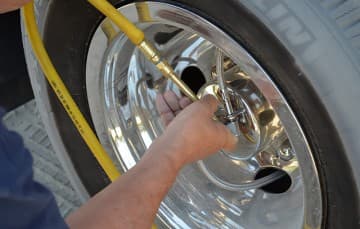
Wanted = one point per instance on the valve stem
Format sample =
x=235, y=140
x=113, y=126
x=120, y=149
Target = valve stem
x=224, y=92
x=233, y=116
x=221, y=80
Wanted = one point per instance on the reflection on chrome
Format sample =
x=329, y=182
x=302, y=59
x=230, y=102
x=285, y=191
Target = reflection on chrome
x=126, y=86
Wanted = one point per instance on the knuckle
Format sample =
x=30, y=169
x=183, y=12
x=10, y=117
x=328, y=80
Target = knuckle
x=209, y=103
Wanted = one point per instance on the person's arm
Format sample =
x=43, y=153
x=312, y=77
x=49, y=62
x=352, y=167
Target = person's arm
x=133, y=200
x=9, y=5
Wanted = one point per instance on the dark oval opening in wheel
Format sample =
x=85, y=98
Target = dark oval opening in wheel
x=193, y=77
x=282, y=62
x=278, y=186
x=227, y=189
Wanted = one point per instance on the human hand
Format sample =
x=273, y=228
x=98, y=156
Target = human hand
x=169, y=105
x=192, y=134
x=9, y=5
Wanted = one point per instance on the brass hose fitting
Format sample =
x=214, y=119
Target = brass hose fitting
x=152, y=54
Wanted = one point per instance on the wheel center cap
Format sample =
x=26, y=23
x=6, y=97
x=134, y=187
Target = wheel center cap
x=251, y=119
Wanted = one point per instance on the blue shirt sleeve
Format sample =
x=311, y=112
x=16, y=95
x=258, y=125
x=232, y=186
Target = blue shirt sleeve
x=24, y=203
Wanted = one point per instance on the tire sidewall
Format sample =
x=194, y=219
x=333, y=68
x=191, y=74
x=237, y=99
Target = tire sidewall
x=301, y=78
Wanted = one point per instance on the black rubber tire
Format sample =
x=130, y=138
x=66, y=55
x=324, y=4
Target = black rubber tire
x=69, y=28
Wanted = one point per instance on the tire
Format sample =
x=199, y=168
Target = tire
x=310, y=49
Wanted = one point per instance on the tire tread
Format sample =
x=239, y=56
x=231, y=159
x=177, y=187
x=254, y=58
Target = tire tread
x=345, y=15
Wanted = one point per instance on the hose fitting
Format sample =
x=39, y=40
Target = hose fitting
x=152, y=54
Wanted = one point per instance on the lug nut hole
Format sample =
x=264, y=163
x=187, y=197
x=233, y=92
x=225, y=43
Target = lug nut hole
x=278, y=186
x=193, y=77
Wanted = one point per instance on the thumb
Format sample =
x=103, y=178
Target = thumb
x=210, y=103
x=229, y=139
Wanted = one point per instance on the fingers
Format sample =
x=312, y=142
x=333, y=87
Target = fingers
x=166, y=118
x=172, y=100
x=184, y=102
x=229, y=139
x=161, y=105
x=166, y=114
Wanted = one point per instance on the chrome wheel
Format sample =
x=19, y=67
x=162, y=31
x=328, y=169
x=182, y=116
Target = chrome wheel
x=122, y=87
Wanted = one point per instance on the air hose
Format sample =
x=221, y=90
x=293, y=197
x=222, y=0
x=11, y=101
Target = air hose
x=137, y=37
x=64, y=96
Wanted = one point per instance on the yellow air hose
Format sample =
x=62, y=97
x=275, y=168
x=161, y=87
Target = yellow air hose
x=135, y=35
x=64, y=96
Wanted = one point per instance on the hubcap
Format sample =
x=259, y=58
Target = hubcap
x=122, y=86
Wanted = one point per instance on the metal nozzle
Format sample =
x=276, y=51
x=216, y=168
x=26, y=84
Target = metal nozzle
x=152, y=54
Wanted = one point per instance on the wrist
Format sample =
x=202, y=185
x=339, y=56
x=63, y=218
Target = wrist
x=166, y=153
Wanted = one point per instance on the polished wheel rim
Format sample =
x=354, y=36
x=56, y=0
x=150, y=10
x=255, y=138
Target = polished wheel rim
x=122, y=87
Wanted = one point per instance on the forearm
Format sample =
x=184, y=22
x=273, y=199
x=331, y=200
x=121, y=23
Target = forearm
x=133, y=200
